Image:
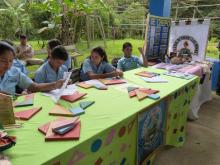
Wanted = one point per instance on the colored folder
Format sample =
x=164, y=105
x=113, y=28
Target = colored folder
x=27, y=114
x=28, y=102
x=46, y=129
x=74, y=97
x=112, y=81
x=58, y=110
x=86, y=104
x=84, y=85
x=147, y=74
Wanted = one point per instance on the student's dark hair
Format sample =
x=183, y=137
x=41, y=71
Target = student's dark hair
x=101, y=52
x=9, y=42
x=126, y=44
x=59, y=52
x=53, y=43
x=22, y=36
x=4, y=47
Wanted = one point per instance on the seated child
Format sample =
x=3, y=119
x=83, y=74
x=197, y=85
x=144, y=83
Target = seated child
x=16, y=62
x=52, y=44
x=97, y=66
x=10, y=76
x=129, y=62
x=25, y=53
x=53, y=69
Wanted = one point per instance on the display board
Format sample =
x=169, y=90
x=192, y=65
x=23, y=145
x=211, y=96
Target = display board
x=157, y=37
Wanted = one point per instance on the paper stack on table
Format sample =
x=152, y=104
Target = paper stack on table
x=69, y=90
x=186, y=76
x=64, y=90
x=156, y=79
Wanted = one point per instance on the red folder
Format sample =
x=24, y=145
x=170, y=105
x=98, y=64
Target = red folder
x=145, y=74
x=112, y=81
x=27, y=114
x=75, y=96
x=46, y=129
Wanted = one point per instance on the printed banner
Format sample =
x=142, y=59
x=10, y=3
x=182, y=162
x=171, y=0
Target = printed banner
x=151, y=126
x=189, y=38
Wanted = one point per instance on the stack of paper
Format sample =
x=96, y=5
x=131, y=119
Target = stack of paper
x=156, y=79
x=186, y=76
x=69, y=90
x=61, y=129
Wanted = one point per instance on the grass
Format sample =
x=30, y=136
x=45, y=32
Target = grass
x=113, y=49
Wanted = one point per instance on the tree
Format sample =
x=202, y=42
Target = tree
x=14, y=20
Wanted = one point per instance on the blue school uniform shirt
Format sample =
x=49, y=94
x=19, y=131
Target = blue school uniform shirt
x=14, y=77
x=126, y=64
x=45, y=74
x=88, y=66
x=18, y=64
x=68, y=62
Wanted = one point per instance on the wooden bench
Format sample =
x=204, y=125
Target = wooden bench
x=71, y=50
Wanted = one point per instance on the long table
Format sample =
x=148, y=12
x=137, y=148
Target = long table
x=111, y=128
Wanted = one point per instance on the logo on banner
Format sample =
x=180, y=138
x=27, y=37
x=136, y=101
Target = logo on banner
x=192, y=44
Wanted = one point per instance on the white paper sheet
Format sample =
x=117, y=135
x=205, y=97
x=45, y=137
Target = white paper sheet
x=156, y=79
x=64, y=90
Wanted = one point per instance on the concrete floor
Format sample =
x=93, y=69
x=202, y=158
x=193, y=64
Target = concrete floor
x=203, y=140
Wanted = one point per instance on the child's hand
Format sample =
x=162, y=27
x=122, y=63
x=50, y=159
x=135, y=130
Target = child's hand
x=141, y=50
x=70, y=82
x=119, y=73
x=59, y=83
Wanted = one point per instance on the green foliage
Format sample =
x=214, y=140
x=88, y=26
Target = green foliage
x=8, y=24
x=14, y=17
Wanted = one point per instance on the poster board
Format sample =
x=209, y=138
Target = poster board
x=193, y=32
x=151, y=128
x=156, y=37
x=6, y=110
